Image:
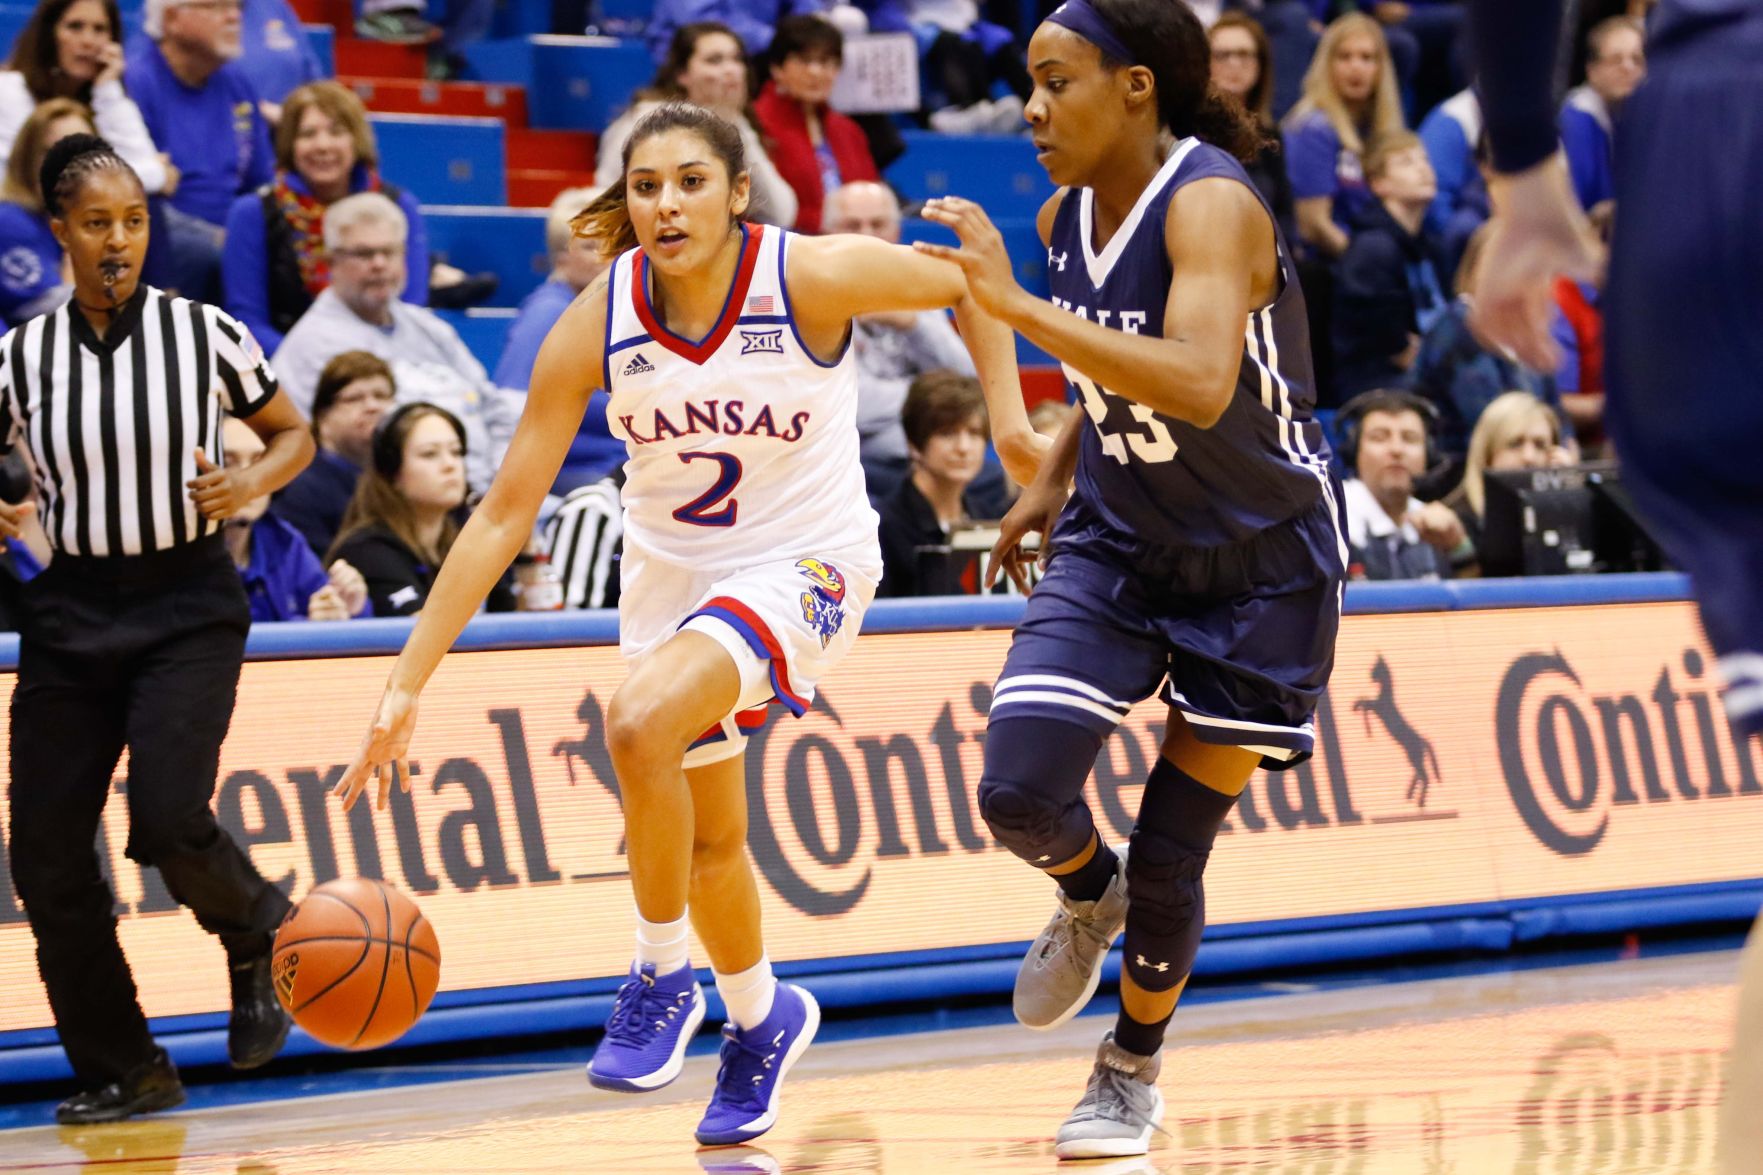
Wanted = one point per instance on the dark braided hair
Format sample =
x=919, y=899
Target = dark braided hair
x=70, y=163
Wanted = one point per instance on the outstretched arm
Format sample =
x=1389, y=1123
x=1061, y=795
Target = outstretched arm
x=837, y=278
x=564, y=377
x=1220, y=242
x=1538, y=229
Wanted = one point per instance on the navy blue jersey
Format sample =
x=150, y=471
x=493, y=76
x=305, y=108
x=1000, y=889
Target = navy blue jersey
x=1152, y=477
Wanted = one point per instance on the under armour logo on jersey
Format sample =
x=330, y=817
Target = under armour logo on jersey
x=638, y=365
x=769, y=342
x=1057, y=260
x=1144, y=962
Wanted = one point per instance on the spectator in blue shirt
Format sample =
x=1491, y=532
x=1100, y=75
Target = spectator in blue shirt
x=355, y=390
x=575, y=262
x=275, y=264
x=30, y=257
x=1350, y=100
x=1459, y=374
x=201, y=110
x=278, y=56
x=283, y=578
x=1450, y=134
x=1389, y=292
x=1616, y=62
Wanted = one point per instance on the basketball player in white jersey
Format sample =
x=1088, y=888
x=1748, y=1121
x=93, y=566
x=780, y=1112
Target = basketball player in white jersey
x=750, y=556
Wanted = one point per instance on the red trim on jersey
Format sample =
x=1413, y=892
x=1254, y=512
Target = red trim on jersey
x=700, y=351
x=774, y=649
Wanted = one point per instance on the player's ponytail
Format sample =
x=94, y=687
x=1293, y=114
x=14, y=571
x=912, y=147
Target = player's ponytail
x=1170, y=41
x=607, y=220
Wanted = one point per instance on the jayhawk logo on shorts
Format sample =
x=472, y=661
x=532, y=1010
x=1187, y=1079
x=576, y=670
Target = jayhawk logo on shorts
x=824, y=606
x=822, y=615
x=827, y=579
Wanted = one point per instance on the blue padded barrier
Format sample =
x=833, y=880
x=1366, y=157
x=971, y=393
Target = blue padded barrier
x=323, y=39
x=508, y=242
x=516, y=630
x=997, y=171
x=443, y=160
x=572, y=83
x=484, y=332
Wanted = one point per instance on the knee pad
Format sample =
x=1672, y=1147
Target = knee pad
x=1166, y=909
x=1039, y=829
x=1031, y=793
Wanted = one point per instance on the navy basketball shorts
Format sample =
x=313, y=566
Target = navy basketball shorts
x=1239, y=638
x=1684, y=340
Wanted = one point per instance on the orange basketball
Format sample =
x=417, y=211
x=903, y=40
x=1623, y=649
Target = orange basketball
x=356, y=963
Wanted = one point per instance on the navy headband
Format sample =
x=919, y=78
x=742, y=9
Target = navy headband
x=1081, y=17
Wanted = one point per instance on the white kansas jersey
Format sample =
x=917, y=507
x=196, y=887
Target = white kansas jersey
x=743, y=445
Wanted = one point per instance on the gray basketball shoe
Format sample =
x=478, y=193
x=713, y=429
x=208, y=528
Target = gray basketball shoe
x=1060, y=972
x=1120, y=1108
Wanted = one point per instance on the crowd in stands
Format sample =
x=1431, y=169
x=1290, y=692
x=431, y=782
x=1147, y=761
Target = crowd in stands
x=267, y=198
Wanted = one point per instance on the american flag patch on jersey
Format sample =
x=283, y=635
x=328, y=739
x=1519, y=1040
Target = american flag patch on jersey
x=761, y=304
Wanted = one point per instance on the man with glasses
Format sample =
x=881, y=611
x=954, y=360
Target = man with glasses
x=202, y=111
x=364, y=236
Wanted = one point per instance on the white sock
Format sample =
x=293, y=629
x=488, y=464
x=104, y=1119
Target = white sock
x=662, y=943
x=748, y=993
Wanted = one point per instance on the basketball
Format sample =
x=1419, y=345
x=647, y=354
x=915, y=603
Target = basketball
x=356, y=963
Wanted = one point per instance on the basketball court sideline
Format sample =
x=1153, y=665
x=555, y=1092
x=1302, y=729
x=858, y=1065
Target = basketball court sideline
x=1612, y=1067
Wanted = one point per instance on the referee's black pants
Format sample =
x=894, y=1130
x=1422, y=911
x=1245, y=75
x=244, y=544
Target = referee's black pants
x=140, y=652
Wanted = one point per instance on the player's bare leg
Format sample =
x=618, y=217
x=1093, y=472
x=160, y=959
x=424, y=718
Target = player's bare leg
x=670, y=699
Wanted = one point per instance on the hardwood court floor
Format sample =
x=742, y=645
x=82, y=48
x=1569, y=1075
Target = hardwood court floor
x=1608, y=1068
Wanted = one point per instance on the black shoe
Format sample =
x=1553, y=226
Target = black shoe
x=476, y=288
x=258, y=1025
x=149, y=1086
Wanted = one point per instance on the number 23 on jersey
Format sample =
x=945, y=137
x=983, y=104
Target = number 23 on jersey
x=1153, y=449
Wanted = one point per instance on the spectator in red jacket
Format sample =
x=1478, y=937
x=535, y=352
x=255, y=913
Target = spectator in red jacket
x=814, y=147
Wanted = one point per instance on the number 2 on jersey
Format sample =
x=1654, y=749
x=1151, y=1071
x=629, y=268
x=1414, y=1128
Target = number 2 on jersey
x=1153, y=450
x=701, y=511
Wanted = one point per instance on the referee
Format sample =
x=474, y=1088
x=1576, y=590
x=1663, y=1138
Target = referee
x=134, y=635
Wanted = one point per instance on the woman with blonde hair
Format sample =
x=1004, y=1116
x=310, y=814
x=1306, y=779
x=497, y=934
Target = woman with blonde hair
x=275, y=262
x=1351, y=97
x=1516, y=431
x=31, y=278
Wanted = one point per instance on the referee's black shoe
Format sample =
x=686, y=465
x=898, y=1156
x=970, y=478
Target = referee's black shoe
x=149, y=1086
x=258, y=1026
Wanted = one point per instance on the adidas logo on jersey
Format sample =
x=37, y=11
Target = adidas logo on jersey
x=638, y=365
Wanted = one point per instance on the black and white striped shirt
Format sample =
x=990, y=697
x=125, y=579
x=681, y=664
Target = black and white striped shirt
x=585, y=539
x=112, y=425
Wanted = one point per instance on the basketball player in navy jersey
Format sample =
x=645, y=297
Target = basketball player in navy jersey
x=1201, y=550
x=1684, y=305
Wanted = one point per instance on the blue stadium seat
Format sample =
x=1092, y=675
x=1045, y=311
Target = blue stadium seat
x=572, y=83
x=443, y=160
x=484, y=332
x=997, y=171
x=323, y=39
x=509, y=242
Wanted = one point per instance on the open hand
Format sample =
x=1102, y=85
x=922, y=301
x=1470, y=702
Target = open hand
x=385, y=750
x=1036, y=510
x=981, y=255
x=1537, y=234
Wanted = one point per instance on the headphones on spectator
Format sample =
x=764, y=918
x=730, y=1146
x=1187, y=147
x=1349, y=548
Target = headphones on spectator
x=388, y=450
x=1352, y=414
